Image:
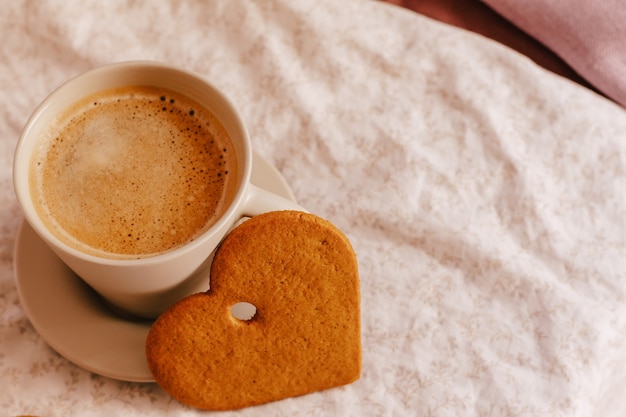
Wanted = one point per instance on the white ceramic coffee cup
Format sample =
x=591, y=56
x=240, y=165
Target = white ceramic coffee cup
x=145, y=287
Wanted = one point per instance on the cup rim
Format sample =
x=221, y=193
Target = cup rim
x=21, y=165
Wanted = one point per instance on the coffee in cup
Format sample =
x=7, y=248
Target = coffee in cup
x=133, y=171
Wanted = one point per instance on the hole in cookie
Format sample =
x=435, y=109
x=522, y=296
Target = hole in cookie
x=243, y=311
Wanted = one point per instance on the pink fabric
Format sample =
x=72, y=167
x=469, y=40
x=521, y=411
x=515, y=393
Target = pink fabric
x=590, y=35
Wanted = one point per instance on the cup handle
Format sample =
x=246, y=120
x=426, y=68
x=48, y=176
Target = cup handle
x=259, y=201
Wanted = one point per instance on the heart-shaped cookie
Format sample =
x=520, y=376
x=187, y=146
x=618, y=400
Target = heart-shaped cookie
x=301, y=274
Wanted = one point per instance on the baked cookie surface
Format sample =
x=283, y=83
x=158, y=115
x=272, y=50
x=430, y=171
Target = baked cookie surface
x=301, y=274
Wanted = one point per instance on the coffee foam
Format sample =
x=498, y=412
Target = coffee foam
x=133, y=172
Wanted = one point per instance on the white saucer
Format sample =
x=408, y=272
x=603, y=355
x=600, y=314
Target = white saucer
x=73, y=320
